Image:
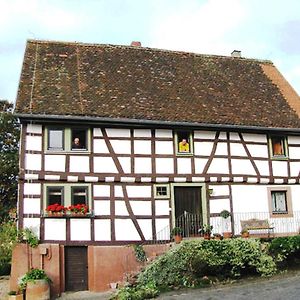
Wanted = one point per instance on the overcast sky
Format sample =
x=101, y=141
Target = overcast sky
x=263, y=29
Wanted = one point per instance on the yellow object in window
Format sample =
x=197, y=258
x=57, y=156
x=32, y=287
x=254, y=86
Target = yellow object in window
x=184, y=146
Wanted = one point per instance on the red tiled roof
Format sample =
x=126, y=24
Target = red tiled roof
x=75, y=79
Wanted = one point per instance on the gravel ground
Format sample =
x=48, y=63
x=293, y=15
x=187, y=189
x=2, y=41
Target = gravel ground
x=4, y=289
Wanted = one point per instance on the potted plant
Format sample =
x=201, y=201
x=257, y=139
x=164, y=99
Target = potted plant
x=245, y=233
x=36, y=284
x=15, y=295
x=225, y=215
x=206, y=231
x=78, y=209
x=217, y=236
x=176, y=233
x=56, y=210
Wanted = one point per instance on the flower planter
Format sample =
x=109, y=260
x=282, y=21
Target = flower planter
x=207, y=236
x=38, y=290
x=245, y=235
x=227, y=235
x=15, y=297
x=177, y=239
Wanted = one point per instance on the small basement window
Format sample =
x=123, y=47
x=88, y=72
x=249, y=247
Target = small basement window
x=55, y=195
x=161, y=191
x=79, y=195
x=55, y=139
x=79, y=139
x=184, y=142
x=278, y=147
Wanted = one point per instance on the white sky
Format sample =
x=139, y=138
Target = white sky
x=263, y=29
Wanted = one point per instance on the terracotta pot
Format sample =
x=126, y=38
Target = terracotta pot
x=207, y=236
x=38, y=290
x=227, y=235
x=177, y=239
x=245, y=235
x=15, y=297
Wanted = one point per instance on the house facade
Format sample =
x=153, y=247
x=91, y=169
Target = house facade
x=145, y=137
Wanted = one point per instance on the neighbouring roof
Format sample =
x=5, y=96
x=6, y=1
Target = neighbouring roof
x=126, y=82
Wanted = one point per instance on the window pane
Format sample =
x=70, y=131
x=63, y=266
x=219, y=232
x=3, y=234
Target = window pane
x=279, y=204
x=183, y=141
x=55, y=195
x=161, y=191
x=278, y=146
x=55, y=139
x=79, y=139
x=79, y=195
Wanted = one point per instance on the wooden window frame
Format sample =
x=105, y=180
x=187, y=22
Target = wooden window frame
x=191, y=143
x=48, y=139
x=285, y=156
x=289, y=205
x=80, y=186
x=61, y=187
x=156, y=196
x=67, y=194
x=67, y=139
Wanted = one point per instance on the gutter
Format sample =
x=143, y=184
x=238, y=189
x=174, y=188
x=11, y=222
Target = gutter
x=142, y=123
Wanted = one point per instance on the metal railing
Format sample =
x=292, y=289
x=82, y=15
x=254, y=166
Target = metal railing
x=189, y=223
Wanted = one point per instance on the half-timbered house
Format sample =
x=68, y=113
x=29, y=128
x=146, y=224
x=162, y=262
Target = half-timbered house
x=146, y=137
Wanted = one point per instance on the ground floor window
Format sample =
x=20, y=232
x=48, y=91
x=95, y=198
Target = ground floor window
x=280, y=202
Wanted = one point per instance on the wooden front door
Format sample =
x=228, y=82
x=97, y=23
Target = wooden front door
x=76, y=268
x=188, y=209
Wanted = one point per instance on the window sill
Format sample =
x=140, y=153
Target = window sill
x=282, y=215
x=279, y=157
x=182, y=154
x=67, y=216
x=81, y=152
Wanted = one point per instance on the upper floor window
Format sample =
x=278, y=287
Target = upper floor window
x=278, y=146
x=79, y=195
x=79, y=139
x=54, y=195
x=184, y=142
x=161, y=191
x=67, y=139
x=55, y=139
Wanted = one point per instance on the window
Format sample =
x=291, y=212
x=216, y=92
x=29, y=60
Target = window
x=161, y=191
x=79, y=195
x=280, y=203
x=278, y=147
x=55, y=139
x=79, y=139
x=184, y=142
x=67, y=139
x=55, y=195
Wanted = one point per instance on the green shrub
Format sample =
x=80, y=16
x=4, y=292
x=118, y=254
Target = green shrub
x=282, y=248
x=8, y=239
x=147, y=291
x=139, y=253
x=186, y=264
x=31, y=276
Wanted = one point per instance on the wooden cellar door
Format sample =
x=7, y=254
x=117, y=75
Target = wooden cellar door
x=76, y=269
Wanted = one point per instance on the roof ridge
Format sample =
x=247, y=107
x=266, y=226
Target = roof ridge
x=149, y=49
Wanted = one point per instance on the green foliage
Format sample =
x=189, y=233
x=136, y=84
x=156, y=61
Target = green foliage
x=8, y=239
x=140, y=253
x=184, y=266
x=147, y=291
x=282, y=248
x=31, y=276
x=206, y=229
x=225, y=214
x=176, y=231
x=30, y=237
x=9, y=161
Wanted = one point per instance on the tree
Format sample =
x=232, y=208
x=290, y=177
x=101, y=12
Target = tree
x=9, y=159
